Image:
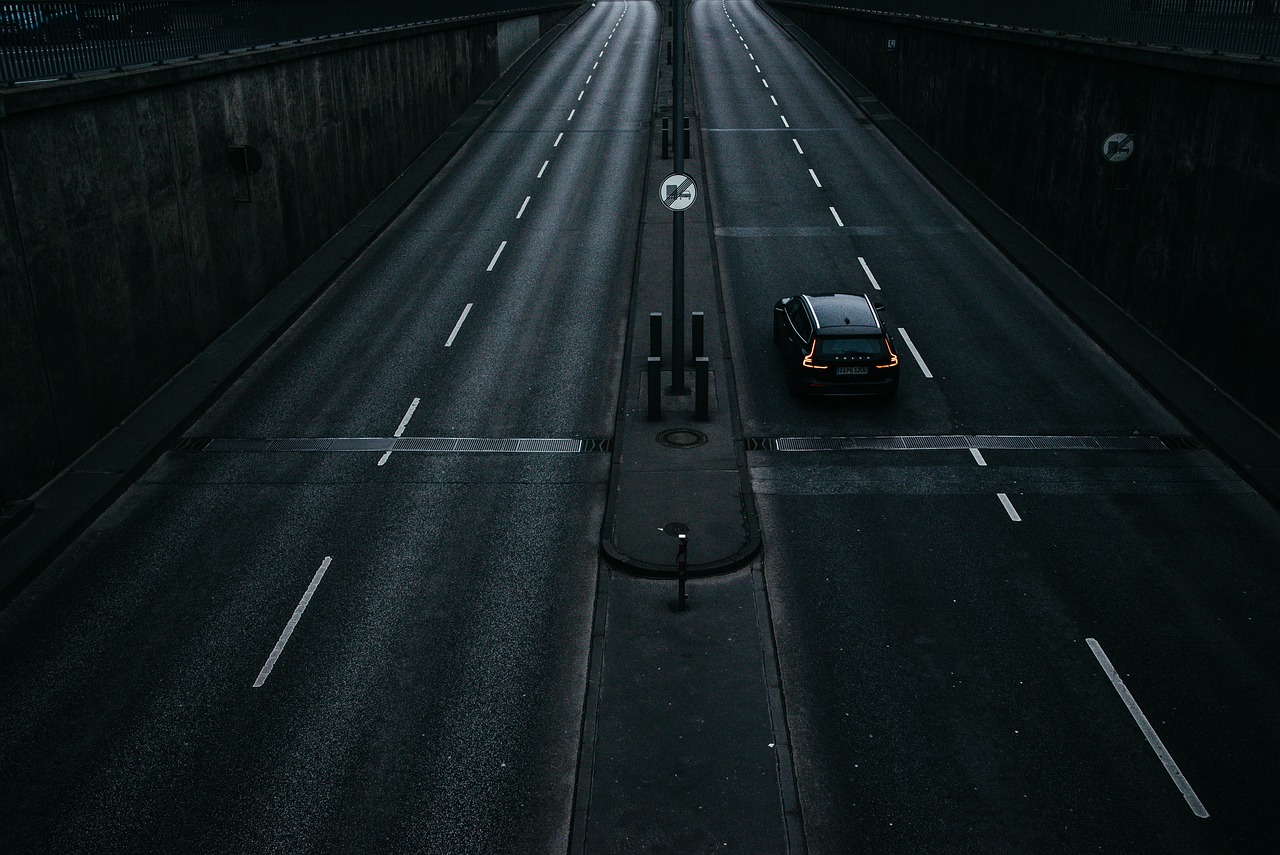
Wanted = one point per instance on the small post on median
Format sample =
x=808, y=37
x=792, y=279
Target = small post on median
x=655, y=334
x=682, y=556
x=701, y=380
x=699, y=337
x=654, y=369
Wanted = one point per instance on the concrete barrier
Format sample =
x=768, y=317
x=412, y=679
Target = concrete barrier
x=131, y=235
x=1182, y=234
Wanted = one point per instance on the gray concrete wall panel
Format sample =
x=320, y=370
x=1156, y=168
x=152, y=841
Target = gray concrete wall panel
x=1182, y=235
x=514, y=38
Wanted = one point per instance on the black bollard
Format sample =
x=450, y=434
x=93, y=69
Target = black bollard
x=682, y=555
x=654, y=367
x=655, y=334
x=699, y=337
x=701, y=394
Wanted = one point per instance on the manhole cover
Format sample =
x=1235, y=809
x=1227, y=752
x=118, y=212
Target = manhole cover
x=682, y=437
x=675, y=529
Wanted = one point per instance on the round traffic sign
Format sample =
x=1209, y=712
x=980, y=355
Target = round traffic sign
x=678, y=191
x=1118, y=147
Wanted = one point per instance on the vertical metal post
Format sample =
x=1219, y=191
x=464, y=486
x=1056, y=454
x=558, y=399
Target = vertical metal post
x=666, y=138
x=698, y=336
x=701, y=382
x=677, y=236
x=655, y=334
x=653, y=368
x=682, y=559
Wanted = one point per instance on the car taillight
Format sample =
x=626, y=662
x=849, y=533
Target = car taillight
x=808, y=360
x=893, y=357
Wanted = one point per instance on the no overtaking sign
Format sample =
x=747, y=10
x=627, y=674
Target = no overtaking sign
x=678, y=192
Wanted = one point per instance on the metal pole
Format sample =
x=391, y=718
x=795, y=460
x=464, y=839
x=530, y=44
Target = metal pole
x=677, y=236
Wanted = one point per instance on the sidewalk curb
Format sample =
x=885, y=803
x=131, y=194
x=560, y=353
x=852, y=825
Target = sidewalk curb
x=750, y=548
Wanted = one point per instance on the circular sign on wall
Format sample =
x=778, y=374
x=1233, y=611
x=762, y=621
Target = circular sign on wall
x=1118, y=147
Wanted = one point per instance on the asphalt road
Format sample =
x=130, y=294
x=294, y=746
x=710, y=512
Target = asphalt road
x=941, y=689
x=428, y=694
x=1034, y=626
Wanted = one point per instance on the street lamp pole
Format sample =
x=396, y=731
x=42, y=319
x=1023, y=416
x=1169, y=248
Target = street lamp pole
x=677, y=236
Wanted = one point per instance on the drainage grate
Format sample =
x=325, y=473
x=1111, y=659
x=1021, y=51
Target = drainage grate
x=963, y=441
x=438, y=444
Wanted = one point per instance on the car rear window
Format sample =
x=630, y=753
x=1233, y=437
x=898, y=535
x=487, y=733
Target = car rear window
x=870, y=345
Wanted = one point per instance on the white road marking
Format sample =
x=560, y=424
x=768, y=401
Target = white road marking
x=523, y=205
x=839, y=222
x=797, y=145
x=785, y=123
x=751, y=56
x=870, y=275
x=589, y=76
x=601, y=54
x=544, y=168
x=404, y=422
x=977, y=457
x=571, y=112
x=494, y=260
x=597, y=65
x=461, y=319
x=757, y=69
x=774, y=100
x=814, y=176
x=765, y=82
x=915, y=353
x=293, y=622
x=580, y=94
x=558, y=138
x=1008, y=507
x=1197, y=807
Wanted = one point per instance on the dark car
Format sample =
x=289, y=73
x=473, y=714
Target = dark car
x=835, y=344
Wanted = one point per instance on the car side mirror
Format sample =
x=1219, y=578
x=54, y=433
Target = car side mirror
x=880, y=307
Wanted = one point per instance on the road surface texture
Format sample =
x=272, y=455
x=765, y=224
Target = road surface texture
x=935, y=596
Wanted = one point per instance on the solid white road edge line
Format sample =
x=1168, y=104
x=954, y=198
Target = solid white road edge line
x=458, y=325
x=293, y=622
x=915, y=353
x=1197, y=807
x=1008, y=507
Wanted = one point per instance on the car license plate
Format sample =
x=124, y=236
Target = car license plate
x=852, y=369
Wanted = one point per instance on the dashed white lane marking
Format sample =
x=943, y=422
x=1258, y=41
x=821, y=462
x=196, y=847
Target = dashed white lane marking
x=977, y=457
x=797, y=145
x=523, y=205
x=1008, y=507
x=404, y=422
x=597, y=65
x=400, y=430
x=293, y=622
x=544, y=168
x=915, y=353
x=494, y=260
x=870, y=275
x=814, y=176
x=1153, y=739
x=774, y=100
x=580, y=94
x=839, y=222
x=589, y=76
x=601, y=54
x=571, y=112
x=785, y=123
x=765, y=82
x=558, y=138
x=757, y=69
x=461, y=320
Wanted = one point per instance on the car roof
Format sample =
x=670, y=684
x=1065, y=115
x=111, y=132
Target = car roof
x=843, y=314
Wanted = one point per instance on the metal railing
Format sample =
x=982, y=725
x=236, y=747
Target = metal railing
x=1246, y=27
x=48, y=40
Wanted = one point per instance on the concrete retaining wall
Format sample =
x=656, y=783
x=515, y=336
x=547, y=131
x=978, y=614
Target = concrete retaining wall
x=1185, y=235
x=129, y=240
